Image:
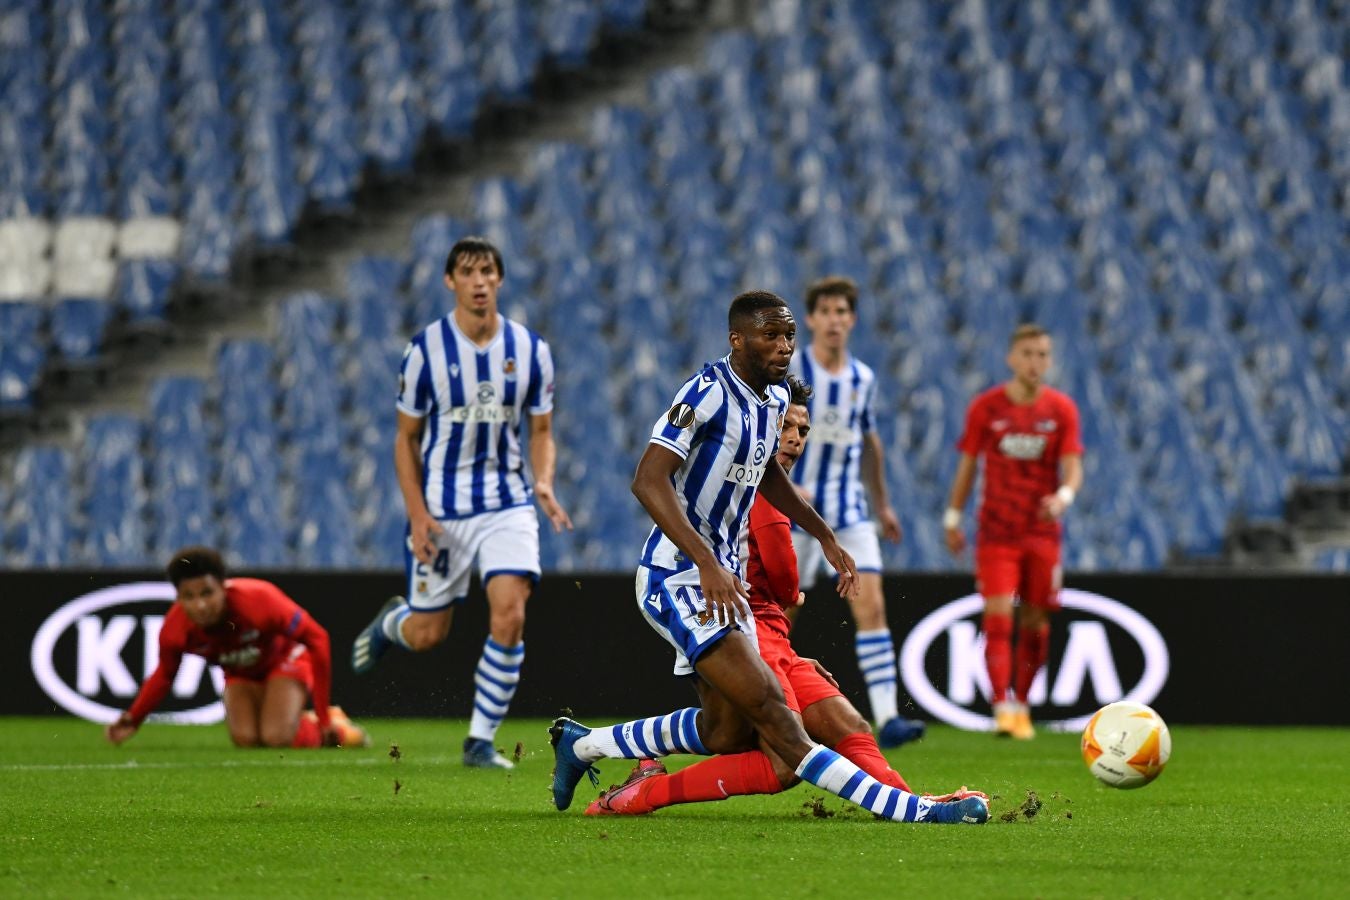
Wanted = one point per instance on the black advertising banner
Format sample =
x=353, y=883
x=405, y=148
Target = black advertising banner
x=1201, y=649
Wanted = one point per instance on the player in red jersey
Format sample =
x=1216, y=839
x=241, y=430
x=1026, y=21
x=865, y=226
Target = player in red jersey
x=1033, y=468
x=810, y=690
x=274, y=654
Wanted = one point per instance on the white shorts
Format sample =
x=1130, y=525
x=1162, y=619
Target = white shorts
x=506, y=542
x=859, y=539
x=673, y=604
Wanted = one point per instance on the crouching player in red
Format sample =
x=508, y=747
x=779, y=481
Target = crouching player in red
x=274, y=654
x=810, y=690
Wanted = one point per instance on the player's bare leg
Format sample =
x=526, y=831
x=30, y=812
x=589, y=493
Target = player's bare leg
x=283, y=699
x=423, y=630
x=243, y=707
x=998, y=629
x=876, y=660
x=498, y=671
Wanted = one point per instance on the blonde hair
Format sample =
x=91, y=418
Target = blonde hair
x=1024, y=331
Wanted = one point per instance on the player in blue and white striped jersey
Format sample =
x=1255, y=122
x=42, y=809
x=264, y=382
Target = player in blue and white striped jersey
x=468, y=383
x=706, y=460
x=844, y=454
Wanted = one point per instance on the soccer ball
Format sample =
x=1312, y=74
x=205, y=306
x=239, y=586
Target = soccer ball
x=1126, y=744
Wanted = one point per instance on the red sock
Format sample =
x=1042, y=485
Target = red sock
x=862, y=750
x=998, y=654
x=715, y=779
x=1033, y=645
x=307, y=734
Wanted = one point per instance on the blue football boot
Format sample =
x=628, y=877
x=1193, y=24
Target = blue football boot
x=371, y=643
x=567, y=768
x=967, y=811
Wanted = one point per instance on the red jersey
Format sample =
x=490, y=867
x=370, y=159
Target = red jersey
x=771, y=566
x=1022, y=445
x=260, y=629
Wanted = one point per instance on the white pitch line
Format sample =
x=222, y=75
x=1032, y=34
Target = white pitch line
x=133, y=765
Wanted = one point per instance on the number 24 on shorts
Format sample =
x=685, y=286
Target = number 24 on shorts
x=441, y=565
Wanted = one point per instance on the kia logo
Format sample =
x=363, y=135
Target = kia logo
x=1087, y=659
x=99, y=639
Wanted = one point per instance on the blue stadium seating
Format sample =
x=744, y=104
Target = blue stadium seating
x=1161, y=186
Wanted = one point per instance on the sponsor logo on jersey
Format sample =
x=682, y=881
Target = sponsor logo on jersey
x=746, y=474
x=681, y=415
x=84, y=655
x=1111, y=653
x=1022, y=446
x=476, y=414
x=487, y=392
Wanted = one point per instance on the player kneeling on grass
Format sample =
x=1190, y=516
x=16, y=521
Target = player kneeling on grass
x=809, y=690
x=274, y=654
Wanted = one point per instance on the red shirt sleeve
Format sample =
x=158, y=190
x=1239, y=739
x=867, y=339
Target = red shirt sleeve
x=971, y=438
x=172, y=643
x=771, y=539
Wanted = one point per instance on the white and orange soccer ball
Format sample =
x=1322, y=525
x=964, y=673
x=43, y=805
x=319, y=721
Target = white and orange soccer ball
x=1126, y=744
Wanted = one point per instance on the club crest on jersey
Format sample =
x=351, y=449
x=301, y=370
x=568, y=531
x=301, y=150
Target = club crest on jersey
x=486, y=393
x=1047, y=425
x=681, y=415
x=509, y=368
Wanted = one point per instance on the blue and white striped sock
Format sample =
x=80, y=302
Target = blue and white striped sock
x=644, y=738
x=392, y=624
x=876, y=659
x=828, y=770
x=495, y=683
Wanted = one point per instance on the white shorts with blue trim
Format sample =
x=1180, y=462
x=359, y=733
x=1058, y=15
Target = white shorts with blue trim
x=673, y=604
x=859, y=539
x=505, y=542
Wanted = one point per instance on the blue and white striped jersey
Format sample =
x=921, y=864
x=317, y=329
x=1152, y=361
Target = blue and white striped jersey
x=726, y=435
x=474, y=401
x=830, y=467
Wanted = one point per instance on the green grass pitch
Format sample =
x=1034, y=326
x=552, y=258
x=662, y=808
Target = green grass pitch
x=177, y=812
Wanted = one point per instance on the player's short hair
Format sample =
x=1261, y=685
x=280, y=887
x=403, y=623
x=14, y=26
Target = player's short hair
x=832, y=286
x=1024, y=331
x=799, y=390
x=473, y=245
x=748, y=303
x=194, y=562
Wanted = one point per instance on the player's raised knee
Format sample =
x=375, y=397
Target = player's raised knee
x=242, y=738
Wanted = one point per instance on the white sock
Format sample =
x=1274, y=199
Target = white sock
x=392, y=624
x=495, y=683
x=828, y=770
x=644, y=738
x=876, y=659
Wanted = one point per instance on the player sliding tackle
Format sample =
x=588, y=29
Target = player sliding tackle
x=697, y=479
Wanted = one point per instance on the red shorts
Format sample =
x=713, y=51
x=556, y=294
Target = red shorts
x=1028, y=568
x=802, y=684
x=296, y=665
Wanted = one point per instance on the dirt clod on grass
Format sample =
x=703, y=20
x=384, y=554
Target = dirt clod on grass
x=816, y=807
x=394, y=753
x=519, y=751
x=398, y=786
